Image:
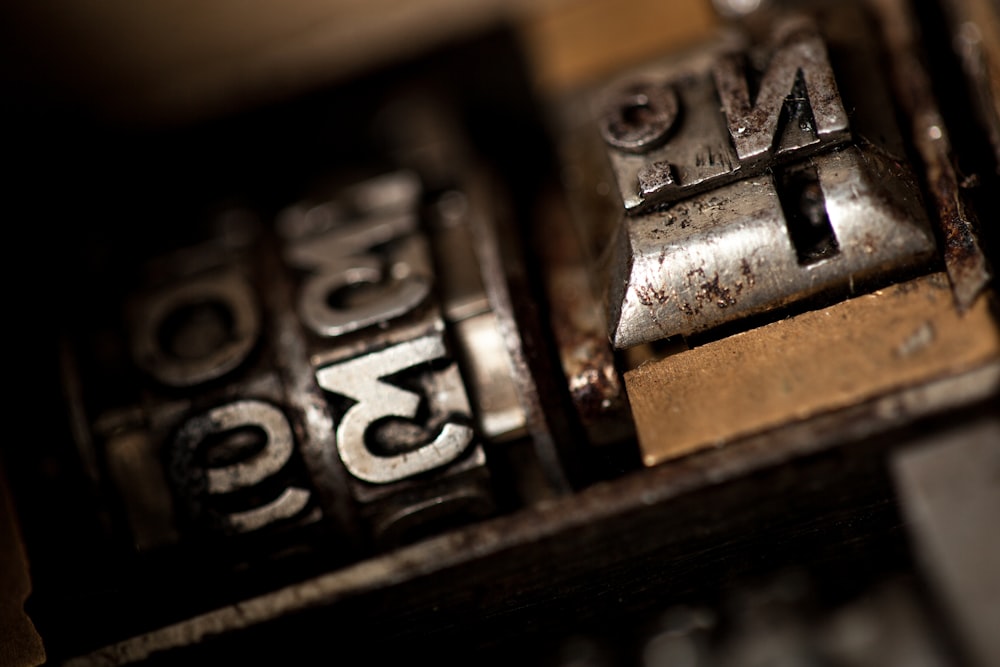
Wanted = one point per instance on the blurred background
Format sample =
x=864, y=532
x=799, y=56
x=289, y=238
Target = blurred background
x=126, y=126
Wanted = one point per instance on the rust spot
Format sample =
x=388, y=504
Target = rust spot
x=695, y=272
x=963, y=258
x=710, y=291
x=682, y=213
x=713, y=291
x=711, y=204
x=595, y=391
x=580, y=329
x=650, y=295
x=748, y=273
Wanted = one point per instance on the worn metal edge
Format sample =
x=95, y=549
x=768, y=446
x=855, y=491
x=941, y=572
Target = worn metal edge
x=965, y=262
x=549, y=519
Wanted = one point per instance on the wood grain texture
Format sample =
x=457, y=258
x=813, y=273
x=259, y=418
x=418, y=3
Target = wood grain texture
x=807, y=365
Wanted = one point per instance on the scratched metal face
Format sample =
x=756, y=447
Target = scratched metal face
x=745, y=189
x=669, y=140
x=728, y=253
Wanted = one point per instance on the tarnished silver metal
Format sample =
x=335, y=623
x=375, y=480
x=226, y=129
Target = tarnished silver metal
x=305, y=420
x=795, y=110
x=260, y=464
x=749, y=247
x=207, y=448
x=361, y=379
x=764, y=194
x=393, y=192
x=752, y=202
x=307, y=406
x=335, y=239
x=196, y=329
x=640, y=117
x=465, y=499
x=400, y=420
x=697, y=155
x=398, y=298
x=798, y=80
x=480, y=270
x=254, y=441
x=499, y=413
x=487, y=364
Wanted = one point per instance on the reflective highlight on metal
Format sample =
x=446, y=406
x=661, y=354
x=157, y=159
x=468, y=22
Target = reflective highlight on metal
x=497, y=333
x=794, y=111
x=964, y=259
x=764, y=203
x=398, y=402
x=321, y=392
x=294, y=422
x=360, y=379
x=738, y=8
x=251, y=461
x=727, y=254
x=474, y=322
x=798, y=81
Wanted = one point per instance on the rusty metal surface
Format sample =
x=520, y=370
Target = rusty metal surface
x=492, y=240
x=692, y=152
x=809, y=364
x=964, y=260
x=579, y=328
x=472, y=239
x=620, y=528
x=735, y=251
x=480, y=343
x=804, y=484
x=681, y=261
x=668, y=139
